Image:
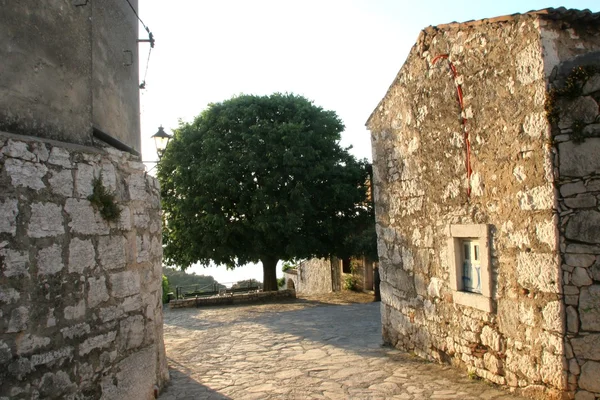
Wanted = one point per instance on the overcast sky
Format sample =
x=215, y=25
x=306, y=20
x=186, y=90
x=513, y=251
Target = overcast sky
x=341, y=54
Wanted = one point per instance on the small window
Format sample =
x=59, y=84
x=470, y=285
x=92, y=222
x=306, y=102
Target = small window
x=469, y=262
x=471, y=274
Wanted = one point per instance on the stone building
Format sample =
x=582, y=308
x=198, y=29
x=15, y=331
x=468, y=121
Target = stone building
x=320, y=275
x=487, y=180
x=80, y=279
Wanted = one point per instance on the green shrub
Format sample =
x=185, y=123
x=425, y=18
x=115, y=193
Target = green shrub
x=165, y=289
x=350, y=283
x=281, y=282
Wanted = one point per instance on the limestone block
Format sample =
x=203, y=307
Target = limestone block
x=81, y=255
x=522, y=363
x=111, y=252
x=143, y=245
x=20, y=368
x=9, y=209
x=593, y=185
x=574, y=367
x=595, y=270
x=61, y=182
x=579, y=160
x=25, y=174
x=124, y=223
x=584, y=395
x=580, y=260
x=17, y=149
x=131, y=332
x=109, y=176
x=583, y=248
x=40, y=151
x=29, y=343
x=84, y=219
x=491, y=338
x=97, y=292
x=590, y=371
x=60, y=156
x=492, y=363
x=84, y=175
x=584, y=226
x=581, y=109
x=141, y=219
x=591, y=85
x=49, y=260
x=19, y=320
x=580, y=277
x=137, y=187
x=54, y=356
x=572, y=320
x=14, y=263
x=46, y=220
x=570, y=189
x=529, y=64
x=54, y=384
x=75, y=331
x=539, y=271
x=435, y=287
x=125, y=283
x=75, y=312
x=587, y=347
x=589, y=308
x=552, y=316
x=551, y=370
x=111, y=313
x=97, y=342
x=5, y=353
x=581, y=201
x=132, y=382
x=546, y=233
x=132, y=303
x=8, y=295
x=537, y=198
x=536, y=125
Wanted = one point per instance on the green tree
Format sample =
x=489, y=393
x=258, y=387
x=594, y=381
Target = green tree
x=259, y=178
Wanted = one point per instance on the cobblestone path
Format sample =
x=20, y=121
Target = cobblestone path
x=300, y=350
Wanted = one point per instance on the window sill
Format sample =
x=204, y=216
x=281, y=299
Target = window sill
x=472, y=300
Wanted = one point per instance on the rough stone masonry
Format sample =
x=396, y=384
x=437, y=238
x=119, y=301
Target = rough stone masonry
x=80, y=297
x=530, y=86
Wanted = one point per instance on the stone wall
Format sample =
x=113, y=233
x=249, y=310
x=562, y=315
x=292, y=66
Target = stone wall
x=420, y=187
x=576, y=138
x=80, y=297
x=231, y=299
x=314, y=276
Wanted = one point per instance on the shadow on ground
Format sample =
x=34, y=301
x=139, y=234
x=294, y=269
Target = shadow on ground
x=183, y=386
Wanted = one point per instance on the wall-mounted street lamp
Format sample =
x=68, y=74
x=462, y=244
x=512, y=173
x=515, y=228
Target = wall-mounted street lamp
x=161, y=140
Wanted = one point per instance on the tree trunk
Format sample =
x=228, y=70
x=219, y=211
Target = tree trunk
x=269, y=273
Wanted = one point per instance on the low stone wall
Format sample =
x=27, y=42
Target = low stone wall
x=258, y=297
x=80, y=297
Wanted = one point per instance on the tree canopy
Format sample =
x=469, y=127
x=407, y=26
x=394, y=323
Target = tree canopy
x=260, y=178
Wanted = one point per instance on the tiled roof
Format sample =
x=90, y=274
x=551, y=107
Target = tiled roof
x=560, y=13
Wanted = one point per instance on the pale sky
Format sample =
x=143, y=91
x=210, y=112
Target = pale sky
x=341, y=54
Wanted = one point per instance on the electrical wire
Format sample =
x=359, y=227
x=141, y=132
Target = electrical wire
x=138, y=17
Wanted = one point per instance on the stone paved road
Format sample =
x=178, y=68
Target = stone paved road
x=300, y=350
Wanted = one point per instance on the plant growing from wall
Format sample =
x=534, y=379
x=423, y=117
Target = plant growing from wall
x=104, y=200
x=571, y=89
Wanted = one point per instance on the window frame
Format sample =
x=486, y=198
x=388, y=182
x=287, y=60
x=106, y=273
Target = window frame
x=458, y=235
